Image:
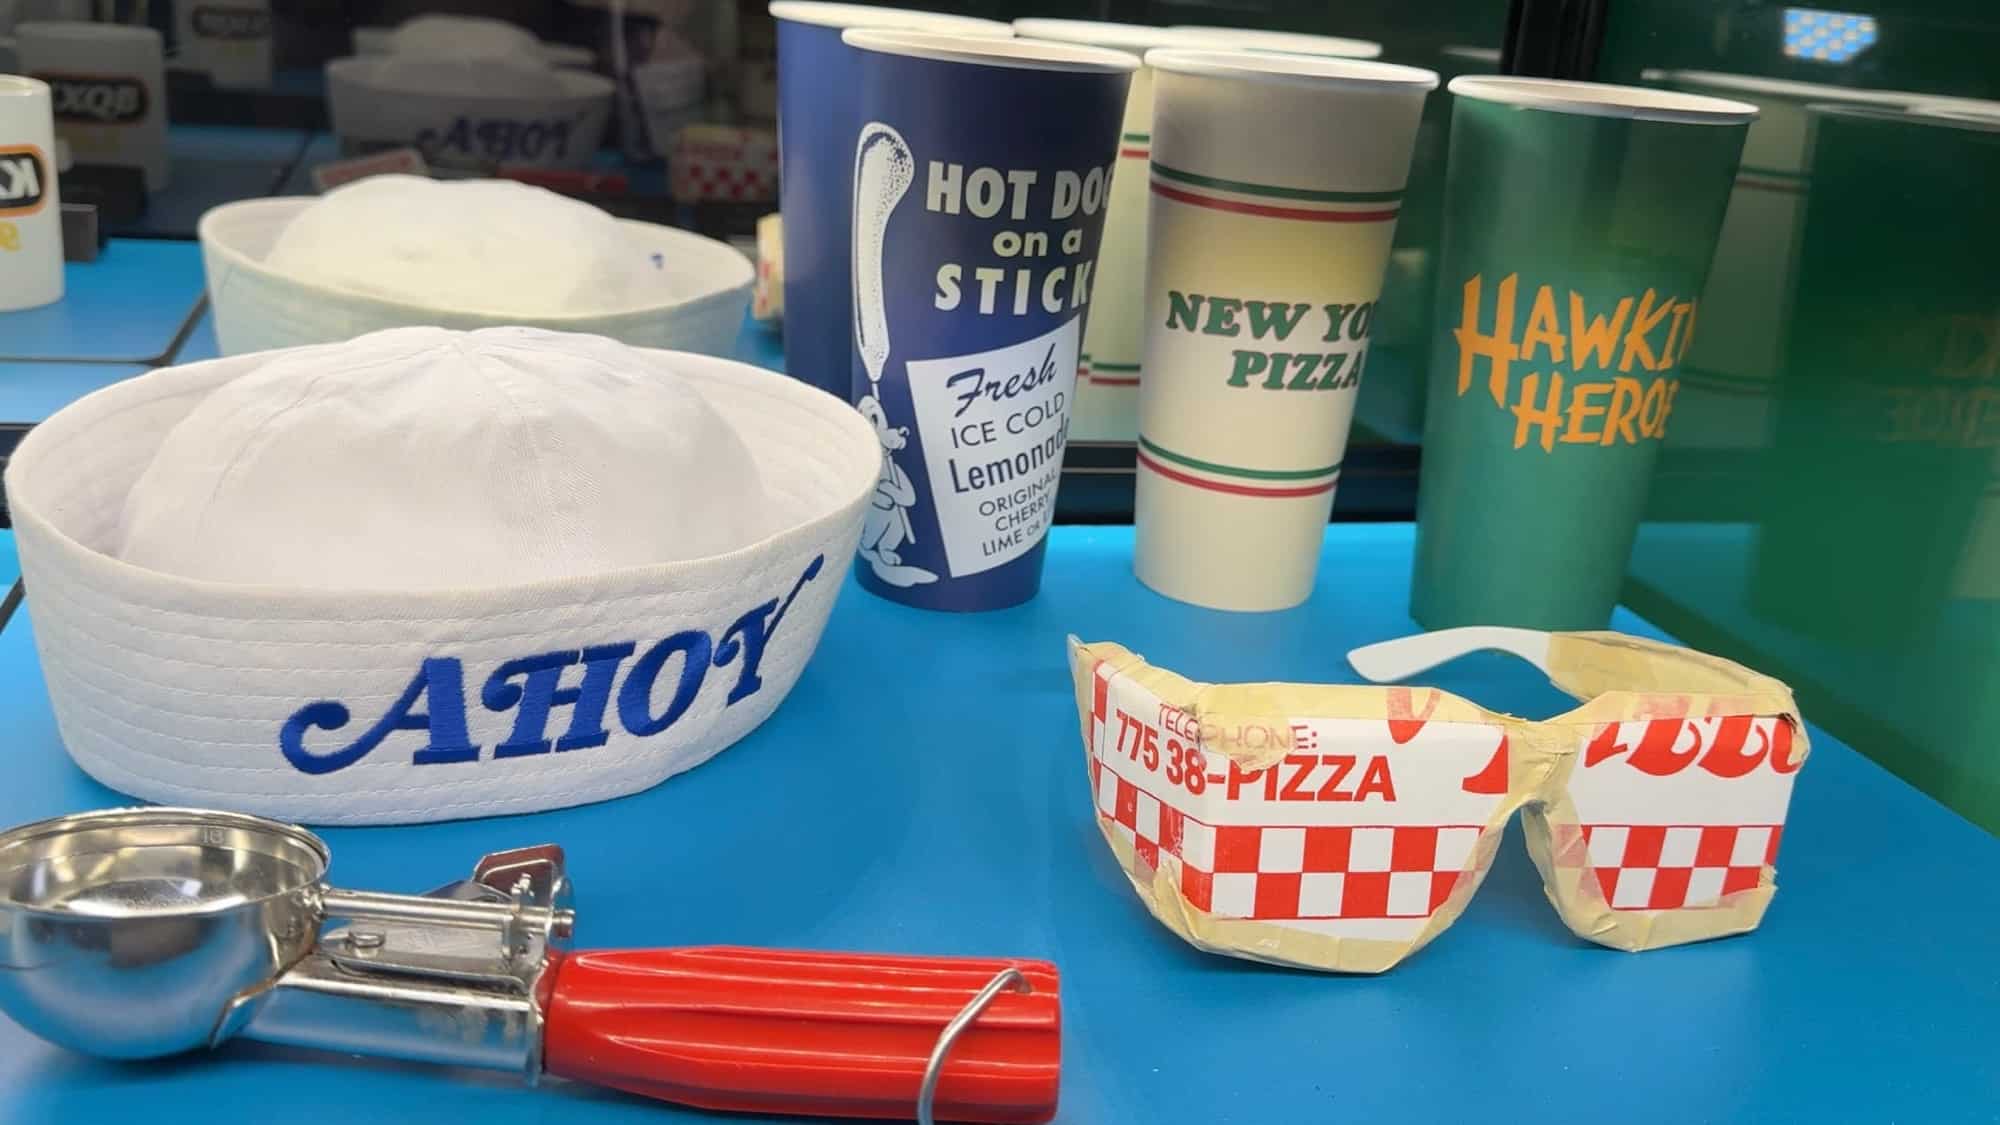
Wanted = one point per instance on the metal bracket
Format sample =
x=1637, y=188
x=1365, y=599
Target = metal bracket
x=517, y=910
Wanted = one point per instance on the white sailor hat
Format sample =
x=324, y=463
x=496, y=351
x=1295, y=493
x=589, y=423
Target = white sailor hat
x=292, y=270
x=428, y=574
x=444, y=35
x=470, y=111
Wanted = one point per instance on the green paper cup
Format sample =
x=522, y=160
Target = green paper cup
x=1580, y=220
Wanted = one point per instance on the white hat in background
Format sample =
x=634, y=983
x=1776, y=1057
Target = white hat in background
x=454, y=36
x=391, y=251
x=425, y=574
x=470, y=111
x=503, y=248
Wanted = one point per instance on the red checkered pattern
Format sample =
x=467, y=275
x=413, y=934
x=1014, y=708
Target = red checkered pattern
x=715, y=162
x=1667, y=867
x=1276, y=872
x=699, y=183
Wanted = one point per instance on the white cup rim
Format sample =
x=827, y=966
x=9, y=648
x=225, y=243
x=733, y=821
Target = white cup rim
x=1597, y=99
x=1291, y=42
x=86, y=30
x=1134, y=37
x=1291, y=69
x=1931, y=114
x=826, y=13
x=1015, y=54
x=1782, y=88
x=22, y=86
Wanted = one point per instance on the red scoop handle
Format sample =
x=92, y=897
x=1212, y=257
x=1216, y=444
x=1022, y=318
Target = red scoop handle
x=832, y=1034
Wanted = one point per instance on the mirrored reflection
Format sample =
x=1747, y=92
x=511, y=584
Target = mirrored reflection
x=166, y=109
x=1390, y=406
x=1832, y=508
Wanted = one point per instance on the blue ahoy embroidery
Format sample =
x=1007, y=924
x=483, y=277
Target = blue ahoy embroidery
x=532, y=688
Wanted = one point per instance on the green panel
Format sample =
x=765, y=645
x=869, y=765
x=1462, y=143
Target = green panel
x=1827, y=505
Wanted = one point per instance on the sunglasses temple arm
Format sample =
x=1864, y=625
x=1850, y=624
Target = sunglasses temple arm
x=1399, y=659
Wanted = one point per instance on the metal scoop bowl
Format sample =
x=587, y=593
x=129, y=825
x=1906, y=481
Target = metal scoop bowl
x=187, y=910
x=136, y=933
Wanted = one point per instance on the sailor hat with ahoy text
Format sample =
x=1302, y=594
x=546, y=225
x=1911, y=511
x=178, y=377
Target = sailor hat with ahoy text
x=428, y=574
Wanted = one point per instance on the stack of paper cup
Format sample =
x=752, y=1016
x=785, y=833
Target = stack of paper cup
x=1289, y=42
x=819, y=79
x=1275, y=185
x=1107, y=376
x=980, y=170
x=31, y=255
x=229, y=40
x=108, y=82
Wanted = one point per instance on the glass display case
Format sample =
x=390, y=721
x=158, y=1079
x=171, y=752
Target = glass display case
x=1826, y=505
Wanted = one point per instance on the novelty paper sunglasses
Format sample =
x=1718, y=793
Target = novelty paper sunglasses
x=1343, y=827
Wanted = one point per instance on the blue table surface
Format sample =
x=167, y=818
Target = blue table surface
x=126, y=307
x=30, y=392
x=953, y=817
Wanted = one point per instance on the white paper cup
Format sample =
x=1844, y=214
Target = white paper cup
x=1108, y=371
x=1290, y=42
x=1275, y=182
x=1109, y=374
x=228, y=40
x=31, y=252
x=109, y=90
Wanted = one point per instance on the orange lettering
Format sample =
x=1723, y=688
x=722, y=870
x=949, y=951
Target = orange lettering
x=1625, y=396
x=1498, y=347
x=1667, y=407
x=1581, y=411
x=1543, y=327
x=1636, y=346
x=1673, y=333
x=1549, y=416
x=1653, y=408
x=1594, y=336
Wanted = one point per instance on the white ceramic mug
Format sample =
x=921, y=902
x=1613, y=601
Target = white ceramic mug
x=31, y=253
x=108, y=82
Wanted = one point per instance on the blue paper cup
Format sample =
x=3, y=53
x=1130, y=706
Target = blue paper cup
x=981, y=175
x=818, y=98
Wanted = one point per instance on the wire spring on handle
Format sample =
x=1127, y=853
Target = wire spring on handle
x=927, y=1093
